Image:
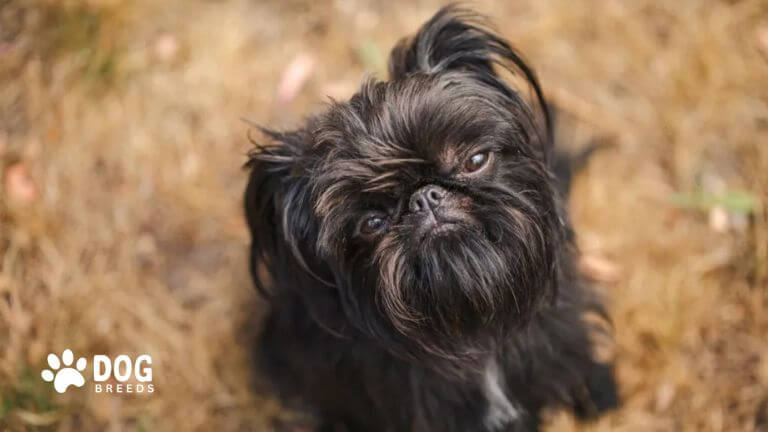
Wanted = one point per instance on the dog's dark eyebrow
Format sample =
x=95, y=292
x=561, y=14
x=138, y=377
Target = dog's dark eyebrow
x=381, y=177
x=380, y=187
x=380, y=182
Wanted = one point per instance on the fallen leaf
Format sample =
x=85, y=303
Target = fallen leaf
x=38, y=419
x=762, y=38
x=166, y=48
x=19, y=185
x=665, y=395
x=294, y=77
x=718, y=219
x=599, y=268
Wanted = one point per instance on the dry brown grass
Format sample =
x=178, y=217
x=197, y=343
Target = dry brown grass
x=120, y=222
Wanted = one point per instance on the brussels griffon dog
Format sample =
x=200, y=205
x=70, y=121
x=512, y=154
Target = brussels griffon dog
x=416, y=252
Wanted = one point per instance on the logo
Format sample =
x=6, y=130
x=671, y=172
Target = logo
x=117, y=372
x=67, y=376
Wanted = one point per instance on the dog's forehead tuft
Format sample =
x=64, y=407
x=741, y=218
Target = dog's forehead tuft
x=412, y=121
x=391, y=135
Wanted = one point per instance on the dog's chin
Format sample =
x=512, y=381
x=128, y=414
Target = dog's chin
x=439, y=226
x=431, y=233
x=457, y=280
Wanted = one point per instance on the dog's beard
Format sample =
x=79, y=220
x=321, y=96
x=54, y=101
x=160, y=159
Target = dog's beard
x=455, y=293
x=450, y=286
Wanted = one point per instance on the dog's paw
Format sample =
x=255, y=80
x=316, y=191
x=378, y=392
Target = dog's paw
x=600, y=390
x=603, y=390
x=599, y=394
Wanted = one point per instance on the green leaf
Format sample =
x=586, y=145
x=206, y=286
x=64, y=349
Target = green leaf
x=371, y=56
x=735, y=201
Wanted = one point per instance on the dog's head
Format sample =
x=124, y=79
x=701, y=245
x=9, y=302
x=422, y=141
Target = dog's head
x=423, y=207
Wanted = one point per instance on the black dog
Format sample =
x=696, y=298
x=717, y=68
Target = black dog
x=417, y=253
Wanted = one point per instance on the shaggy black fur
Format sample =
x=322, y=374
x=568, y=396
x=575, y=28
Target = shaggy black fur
x=417, y=254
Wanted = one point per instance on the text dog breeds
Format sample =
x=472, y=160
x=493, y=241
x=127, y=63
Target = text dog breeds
x=108, y=375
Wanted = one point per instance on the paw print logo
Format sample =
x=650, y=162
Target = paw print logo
x=64, y=377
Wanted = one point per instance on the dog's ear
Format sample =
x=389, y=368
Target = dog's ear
x=457, y=39
x=275, y=204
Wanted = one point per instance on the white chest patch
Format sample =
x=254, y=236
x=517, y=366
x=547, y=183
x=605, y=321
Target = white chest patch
x=500, y=410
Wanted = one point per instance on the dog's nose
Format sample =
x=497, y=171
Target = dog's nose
x=426, y=198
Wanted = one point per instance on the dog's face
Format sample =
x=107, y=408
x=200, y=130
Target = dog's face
x=425, y=203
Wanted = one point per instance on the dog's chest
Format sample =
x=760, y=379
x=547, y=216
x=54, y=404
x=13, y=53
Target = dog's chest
x=501, y=410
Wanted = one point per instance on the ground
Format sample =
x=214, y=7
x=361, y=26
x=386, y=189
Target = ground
x=123, y=132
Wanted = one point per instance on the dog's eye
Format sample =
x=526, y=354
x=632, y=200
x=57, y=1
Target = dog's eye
x=477, y=162
x=372, y=224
